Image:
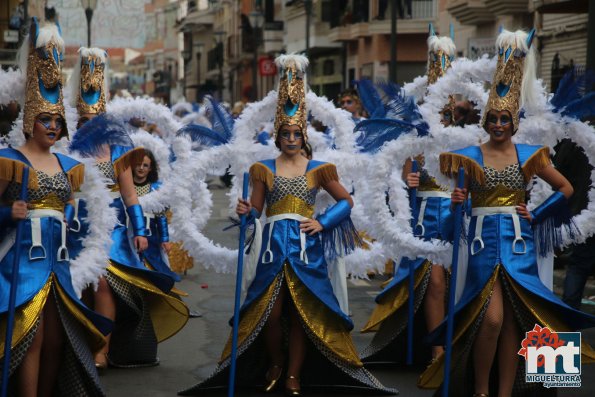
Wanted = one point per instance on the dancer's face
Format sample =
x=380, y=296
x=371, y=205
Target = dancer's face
x=350, y=104
x=499, y=125
x=47, y=129
x=142, y=169
x=290, y=139
x=83, y=118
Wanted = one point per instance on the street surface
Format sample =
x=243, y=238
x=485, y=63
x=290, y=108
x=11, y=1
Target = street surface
x=191, y=355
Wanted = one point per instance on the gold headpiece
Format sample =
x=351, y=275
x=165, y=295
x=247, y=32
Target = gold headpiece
x=90, y=85
x=506, y=92
x=441, y=52
x=43, y=92
x=291, y=103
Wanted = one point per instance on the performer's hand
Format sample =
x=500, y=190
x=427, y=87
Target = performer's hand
x=310, y=226
x=243, y=207
x=413, y=180
x=524, y=212
x=19, y=210
x=166, y=246
x=140, y=243
x=458, y=196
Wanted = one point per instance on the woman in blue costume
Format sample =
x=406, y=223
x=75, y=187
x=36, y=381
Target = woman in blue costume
x=137, y=298
x=54, y=333
x=291, y=286
x=431, y=220
x=503, y=296
x=146, y=180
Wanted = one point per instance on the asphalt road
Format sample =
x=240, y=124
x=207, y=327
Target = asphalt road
x=191, y=355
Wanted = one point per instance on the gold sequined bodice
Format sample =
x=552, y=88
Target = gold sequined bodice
x=501, y=188
x=53, y=192
x=291, y=195
x=426, y=181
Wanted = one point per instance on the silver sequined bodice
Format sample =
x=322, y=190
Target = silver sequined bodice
x=57, y=184
x=297, y=187
x=107, y=169
x=510, y=177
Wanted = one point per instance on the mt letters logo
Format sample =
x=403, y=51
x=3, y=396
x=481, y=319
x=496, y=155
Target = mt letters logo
x=552, y=358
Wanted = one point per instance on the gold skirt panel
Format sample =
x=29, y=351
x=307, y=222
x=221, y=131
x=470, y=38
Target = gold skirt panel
x=394, y=300
x=168, y=313
x=26, y=317
x=432, y=377
x=323, y=323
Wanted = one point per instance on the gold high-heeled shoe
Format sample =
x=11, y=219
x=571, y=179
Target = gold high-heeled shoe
x=101, y=364
x=293, y=391
x=273, y=382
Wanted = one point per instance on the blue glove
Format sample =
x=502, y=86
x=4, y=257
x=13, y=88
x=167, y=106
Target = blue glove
x=335, y=214
x=137, y=220
x=163, y=229
x=554, y=206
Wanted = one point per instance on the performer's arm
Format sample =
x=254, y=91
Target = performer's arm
x=18, y=209
x=411, y=178
x=256, y=201
x=334, y=214
x=563, y=190
x=133, y=208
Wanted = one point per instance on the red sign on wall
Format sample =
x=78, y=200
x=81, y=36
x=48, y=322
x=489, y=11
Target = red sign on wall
x=267, y=67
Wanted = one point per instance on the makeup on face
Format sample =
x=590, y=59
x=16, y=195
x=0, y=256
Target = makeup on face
x=291, y=136
x=50, y=123
x=504, y=119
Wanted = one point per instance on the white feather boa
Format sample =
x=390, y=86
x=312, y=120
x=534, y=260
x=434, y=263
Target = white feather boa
x=147, y=110
x=12, y=86
x=92, y=261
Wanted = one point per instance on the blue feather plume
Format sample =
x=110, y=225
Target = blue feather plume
x=220, y=118
x=371, y=99
x=202, y=135
x=101, y=130
x=573, y=86
x=582, y=108
x=374, y=133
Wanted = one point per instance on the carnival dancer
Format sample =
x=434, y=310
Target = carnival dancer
x=504, y=296
x=137, y=298
x=55, y=333
x=431, y=220
x=291, y=278
x=349, y=100
x=146, y=180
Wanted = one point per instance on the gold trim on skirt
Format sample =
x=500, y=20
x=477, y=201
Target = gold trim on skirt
x=394, y=299
x=168, y=313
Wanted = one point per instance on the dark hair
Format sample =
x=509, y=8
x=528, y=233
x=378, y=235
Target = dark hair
x=307, y=148
x=153, y=175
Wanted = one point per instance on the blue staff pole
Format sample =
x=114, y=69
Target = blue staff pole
x=236, y=309
x=13, y=288
x=458, y=219
x=410, y=301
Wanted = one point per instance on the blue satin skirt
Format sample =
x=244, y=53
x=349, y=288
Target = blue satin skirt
x=285, y=245
x=154, y=255
x=34, y=274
